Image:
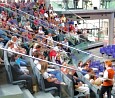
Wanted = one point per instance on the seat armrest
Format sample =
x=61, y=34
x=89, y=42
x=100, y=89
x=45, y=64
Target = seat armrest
x=50, y=89
x=19, y=82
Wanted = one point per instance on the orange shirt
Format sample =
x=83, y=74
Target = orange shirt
x=110, y=76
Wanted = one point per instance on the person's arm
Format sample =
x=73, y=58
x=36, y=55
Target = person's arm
x=51, y=79
x=48, y=78
x=17, y=70
x=79, y=84
x=105, y=75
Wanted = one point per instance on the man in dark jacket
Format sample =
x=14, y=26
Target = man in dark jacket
x=18, y=74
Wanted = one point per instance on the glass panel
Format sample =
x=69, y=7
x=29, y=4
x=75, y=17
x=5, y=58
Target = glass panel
x=82, y=4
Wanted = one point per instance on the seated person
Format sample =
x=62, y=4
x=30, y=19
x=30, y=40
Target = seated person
x=78, y=85
x=80, y=64
x=3, y=37
x=18, y=74
x=49, y=80
x=64, y=69
x=18, y=60
x=58, y=61
x=15, y=40
x=85, y=69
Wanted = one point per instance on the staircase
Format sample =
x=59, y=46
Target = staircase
x=13, y=91
x=10, y=91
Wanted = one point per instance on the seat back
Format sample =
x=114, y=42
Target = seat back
x=7, y=65
x=39, y=78
x=32, y=62
x=69, y=83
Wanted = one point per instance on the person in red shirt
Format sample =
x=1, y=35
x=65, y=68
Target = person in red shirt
x=42, y=11
x=52, y=54
x=71, y=27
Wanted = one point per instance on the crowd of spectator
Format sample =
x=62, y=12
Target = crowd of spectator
x=36, y=28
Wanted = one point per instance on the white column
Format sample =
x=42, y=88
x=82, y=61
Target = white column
x=111, y=28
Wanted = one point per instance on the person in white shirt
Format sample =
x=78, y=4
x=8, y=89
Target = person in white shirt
x=46, y=15
x=65, y=42
x=27, y=26
x=41, y=32
x=50, y=40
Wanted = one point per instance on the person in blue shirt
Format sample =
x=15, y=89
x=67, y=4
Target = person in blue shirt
x=3, y=37
x=85, y=69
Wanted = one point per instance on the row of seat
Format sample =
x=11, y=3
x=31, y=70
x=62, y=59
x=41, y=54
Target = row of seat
x=108, y=50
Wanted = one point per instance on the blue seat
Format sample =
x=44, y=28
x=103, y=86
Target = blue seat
x=113, y=46
x=102, y=50
x=113, y=55
x=108, y=52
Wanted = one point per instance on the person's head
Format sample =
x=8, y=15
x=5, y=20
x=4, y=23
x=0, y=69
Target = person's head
x=49, y=34
x=40, y=28
x=28, y=23
x=64, y=64
x=108, y=63
x=14, y=38
x=91, y=71
x=65, y=40
x=41, y=56
x=35, y=54
x=15, y=57
x=44, y=66
x=38, y=47
x=80, y=64
x=89, y=62
x=72, y=70
x=7, y=27
x=58, y=58
x=85, y=66
x=75, y=25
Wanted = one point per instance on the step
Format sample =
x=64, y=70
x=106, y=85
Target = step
x=43, y=95
x=10, y=91
x=27, y=94
x=56, y=97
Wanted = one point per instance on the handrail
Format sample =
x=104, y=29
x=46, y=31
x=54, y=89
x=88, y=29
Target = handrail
x=35, y=58
x=41, y=59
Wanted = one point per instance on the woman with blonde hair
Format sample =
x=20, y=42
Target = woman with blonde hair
x=49, y=80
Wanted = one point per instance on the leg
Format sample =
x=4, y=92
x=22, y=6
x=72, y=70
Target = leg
x=109, y=92
x=84, y=90
x=57, y=74
x=28, y=78
x=103, y=90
